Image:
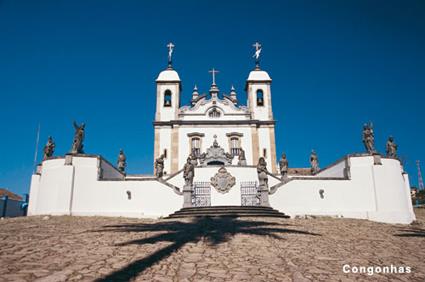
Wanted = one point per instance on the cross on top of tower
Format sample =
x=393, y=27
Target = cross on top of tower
x=213, y=71
x=256, y=55
x=170, y=53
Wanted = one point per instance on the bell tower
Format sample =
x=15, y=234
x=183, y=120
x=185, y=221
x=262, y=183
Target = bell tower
x=258, y=88
x=168, y=89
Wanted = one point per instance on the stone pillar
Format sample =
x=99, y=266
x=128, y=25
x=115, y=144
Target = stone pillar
x=187, y=196
x=263, y=191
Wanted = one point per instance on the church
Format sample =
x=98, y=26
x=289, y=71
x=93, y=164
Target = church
x=183, y=130
x=218, y=151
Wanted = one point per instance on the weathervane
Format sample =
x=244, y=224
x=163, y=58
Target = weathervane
x=256, y=55
x=213, y=72
x=170, y=54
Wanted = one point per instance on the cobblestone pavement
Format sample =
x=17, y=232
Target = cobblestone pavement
x=215, y=249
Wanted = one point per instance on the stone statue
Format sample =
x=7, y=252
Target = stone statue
x=369, y=138
x=159, y=166
x=49, y=148
x=77, y=144
x=242, y=157
x=194, y=158
x=263, y=187
x=262, y=172
x=391, y=148
x=188, y=173
x=121, y=162
x=283, y=164
x=314, y=162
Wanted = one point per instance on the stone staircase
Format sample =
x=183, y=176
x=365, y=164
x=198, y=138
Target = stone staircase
x=231, y=211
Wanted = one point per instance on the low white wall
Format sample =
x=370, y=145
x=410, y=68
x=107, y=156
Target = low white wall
x=108, y=171
x=336, y=170
x=376, y=192
x=76, y=190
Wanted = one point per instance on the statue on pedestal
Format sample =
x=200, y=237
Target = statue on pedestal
x=314, y=162
x=263, y=187
x=283, y=165
x=121, y=162
x=188, y=172
x=242, y=158
x=262, y=172
x=369, y=138
x=159, y=166
x=188, y=175
x=391, y=148
x=77, y=144
x=49, y=148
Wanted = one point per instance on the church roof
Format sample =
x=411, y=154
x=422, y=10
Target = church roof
x=168, y=75
x=258, y=75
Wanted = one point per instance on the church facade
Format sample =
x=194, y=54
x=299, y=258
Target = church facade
x=190, y=129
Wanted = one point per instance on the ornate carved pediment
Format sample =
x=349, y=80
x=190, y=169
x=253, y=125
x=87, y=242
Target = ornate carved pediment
x=223, y=181
x=215, y=155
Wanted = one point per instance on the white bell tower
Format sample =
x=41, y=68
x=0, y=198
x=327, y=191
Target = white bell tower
x=258, y=88
x=168, y=89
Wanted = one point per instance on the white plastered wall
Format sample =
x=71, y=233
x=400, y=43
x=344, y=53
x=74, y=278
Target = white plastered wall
x=76, y=190
x=167, y=113
x=375, y=192
x=264, y=143
x=260, y=112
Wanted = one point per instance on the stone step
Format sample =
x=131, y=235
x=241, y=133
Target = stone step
x=234, y=211
x=226, y=215
x=230, y=207
x=226, y=210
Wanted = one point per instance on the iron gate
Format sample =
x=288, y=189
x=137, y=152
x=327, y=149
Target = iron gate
x=249, y=194
x=201, y=194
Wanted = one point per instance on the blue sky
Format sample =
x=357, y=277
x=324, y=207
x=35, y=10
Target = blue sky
x=335, y=65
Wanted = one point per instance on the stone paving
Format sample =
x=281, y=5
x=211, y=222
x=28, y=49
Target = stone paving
x=210, y=249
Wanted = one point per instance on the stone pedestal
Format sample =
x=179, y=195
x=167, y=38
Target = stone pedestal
x=68, y=159
x=187, y=196
x=264, y=195
x=377, y=159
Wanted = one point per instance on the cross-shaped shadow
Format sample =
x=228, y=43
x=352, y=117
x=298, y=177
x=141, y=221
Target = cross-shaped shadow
x=214, y=230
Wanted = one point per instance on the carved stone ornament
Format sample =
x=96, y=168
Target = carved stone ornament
x=215, y=155
x=223, y=181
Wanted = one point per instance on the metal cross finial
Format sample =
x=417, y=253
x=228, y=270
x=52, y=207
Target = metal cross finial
x=170, y=53
x=213, y=71
x=256, y=55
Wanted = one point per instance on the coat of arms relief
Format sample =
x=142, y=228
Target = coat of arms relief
x=223, y=181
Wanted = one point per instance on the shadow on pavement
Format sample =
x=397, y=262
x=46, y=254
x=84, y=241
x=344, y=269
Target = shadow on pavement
x=414, y=232
x=213, y=230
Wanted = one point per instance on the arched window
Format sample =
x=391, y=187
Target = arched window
x=235, y=143
x=260, y=97
x=235, y=146
x=167, y=98
x=214, y=113
x=195, y=146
